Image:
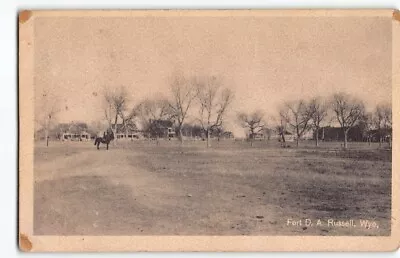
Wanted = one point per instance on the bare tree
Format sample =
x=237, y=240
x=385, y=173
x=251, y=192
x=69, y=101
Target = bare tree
x=183, y=93
x=366, y=124
x=297, y=115
x=318, y=111
x=383, y=121
x=121, y=103
x=128, y=121
x=387, y=111
x=348, y=111
x=282, y=131
x=280, y=126
x=219, y=130
x=150, y=110
x=108, y=107
x=214, y=101
x=115, y=105
x=379, y=118
x=48, y=107
x=253, y=122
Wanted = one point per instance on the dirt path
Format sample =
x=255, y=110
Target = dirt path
x=95, y=191
x=85, y=193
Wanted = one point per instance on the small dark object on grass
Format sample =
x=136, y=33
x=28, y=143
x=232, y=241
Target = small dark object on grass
x=304, y=228
x=259, y=217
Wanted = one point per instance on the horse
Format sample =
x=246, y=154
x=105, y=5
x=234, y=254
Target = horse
x=106, y=139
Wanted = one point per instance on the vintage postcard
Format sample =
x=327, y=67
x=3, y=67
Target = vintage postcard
x=209, y=130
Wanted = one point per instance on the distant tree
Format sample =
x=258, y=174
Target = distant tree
x=366, y=125
x=128, y=122
x=383, y=121
x=150, y=112
x=282, y=131
x=298, y=116
x=115, y=105
x=183, y=93
x=267, y=133
x=253, y=122
x=318, y=111
x=48, y=107
x=379, y=122
x=78, y=127
x=60, y=129
x=387, y=111
x=214, y=101
x=348, y=112
x=192, y=130
x=127, y=119
x=280, y=126
x=218, y=132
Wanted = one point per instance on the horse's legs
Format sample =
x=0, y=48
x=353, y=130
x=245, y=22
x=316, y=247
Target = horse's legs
x=107, y=146
x=98, y=144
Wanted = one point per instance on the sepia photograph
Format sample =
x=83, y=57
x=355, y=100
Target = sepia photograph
x=206, y=123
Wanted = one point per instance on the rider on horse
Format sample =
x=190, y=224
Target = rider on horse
x=106, y=138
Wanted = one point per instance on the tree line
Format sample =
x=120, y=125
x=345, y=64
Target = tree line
x=302, y=116
x=205, y=94
x=208, y=101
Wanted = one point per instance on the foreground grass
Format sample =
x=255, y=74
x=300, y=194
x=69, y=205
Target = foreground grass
x=141, y=188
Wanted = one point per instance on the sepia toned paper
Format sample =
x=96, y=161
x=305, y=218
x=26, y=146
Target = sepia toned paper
x=236, y=189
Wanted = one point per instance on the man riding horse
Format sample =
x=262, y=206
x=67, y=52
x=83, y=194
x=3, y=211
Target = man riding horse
x=106, y=139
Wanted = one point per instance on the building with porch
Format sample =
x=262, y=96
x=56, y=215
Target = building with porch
x=82, y=136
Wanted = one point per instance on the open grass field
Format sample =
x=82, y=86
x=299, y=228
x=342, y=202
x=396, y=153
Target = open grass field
x=140, y=188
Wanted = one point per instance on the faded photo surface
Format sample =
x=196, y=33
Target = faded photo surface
x=212, y=125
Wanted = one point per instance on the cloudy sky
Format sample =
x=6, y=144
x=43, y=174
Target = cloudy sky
x=264, y=60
